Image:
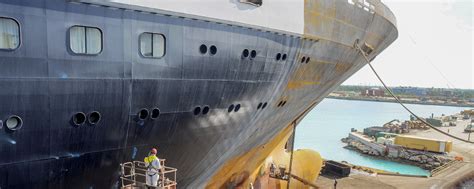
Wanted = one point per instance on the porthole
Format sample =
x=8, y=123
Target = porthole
x=245, y=53
x=94, y=117
x=237, y=108
x=307, y=60
x=197, y=110
x=205, y=110
x=203, y=49
x=253, y=54
x=283, y=57
x=264, y=105
x=231, y=108
x=155, y=113
x=303, y=60
x=279, y=104
x=213, y=50
x=78, y=119
x=252, y=2
x=278, y=57
x=14, y=123
x=143, y=114
x=259, y=105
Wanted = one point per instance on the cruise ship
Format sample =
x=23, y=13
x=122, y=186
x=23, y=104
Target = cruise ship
x=215, y=85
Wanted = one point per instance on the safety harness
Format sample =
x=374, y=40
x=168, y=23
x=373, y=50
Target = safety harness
x=149, y=160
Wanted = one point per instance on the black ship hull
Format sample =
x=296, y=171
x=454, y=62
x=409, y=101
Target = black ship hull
x=45, y=85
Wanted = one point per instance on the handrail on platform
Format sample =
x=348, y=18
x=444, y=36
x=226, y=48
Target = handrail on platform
x=133, y=175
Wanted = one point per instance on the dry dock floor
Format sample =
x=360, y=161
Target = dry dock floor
x=445, y=179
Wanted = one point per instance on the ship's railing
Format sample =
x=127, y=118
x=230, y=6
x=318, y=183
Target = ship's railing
x=134, y=175
x=367, y=5
x=281, y=174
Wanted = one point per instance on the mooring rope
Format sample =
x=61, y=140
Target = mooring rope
x=357, y=47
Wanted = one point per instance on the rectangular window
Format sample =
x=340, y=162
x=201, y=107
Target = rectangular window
x=9, y=34
x=85, y=40
x=152, y=45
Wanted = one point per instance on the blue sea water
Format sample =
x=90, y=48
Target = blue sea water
x=323, y=128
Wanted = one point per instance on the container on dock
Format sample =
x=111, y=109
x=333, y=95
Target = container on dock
x=336, y=168
x=372, y=131
x=435, y=122
x=426, y=144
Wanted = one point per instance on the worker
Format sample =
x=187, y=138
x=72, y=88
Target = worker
x=335, y=183
x=153, y=169
x=272, y=169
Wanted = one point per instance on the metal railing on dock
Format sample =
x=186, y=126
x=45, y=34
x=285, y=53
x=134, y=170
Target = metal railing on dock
x=134, y=175
x=281, y=174
x=440, y=169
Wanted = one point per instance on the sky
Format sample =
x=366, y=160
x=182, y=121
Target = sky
x=434, y=46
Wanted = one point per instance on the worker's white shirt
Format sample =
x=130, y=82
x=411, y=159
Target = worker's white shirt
x=155, y=166
x=152, y=174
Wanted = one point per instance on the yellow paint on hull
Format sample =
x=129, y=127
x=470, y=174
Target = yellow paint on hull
x=253, y=166
x=307, y=164
x=300, y=84
x=247, y=164
x=320, y=19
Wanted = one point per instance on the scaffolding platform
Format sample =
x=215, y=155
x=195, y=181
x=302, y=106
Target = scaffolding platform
x=133, y=175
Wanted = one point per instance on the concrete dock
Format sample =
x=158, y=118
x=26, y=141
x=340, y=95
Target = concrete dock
x=448, y=177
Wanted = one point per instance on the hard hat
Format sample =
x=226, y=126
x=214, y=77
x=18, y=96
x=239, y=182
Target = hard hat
x=153, y=151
